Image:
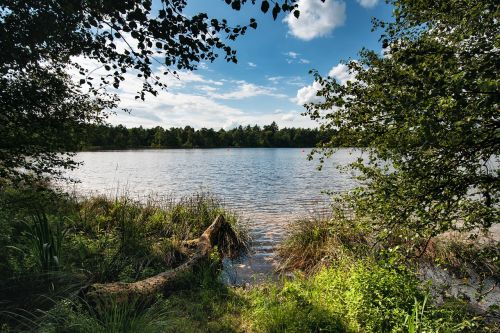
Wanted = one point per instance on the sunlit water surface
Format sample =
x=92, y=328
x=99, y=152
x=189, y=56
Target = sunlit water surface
x=268, y=187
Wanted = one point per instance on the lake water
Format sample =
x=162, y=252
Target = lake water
x=268, y=187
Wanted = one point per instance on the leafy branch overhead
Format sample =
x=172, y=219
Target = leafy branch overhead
x=43, y=106
x=122, y=35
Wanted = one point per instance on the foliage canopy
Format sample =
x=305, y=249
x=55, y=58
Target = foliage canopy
x=119, y=137
x=428, y=107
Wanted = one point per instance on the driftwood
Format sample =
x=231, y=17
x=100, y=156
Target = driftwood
x=199, y=249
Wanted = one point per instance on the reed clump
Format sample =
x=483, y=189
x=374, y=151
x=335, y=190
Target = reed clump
x=314, y=242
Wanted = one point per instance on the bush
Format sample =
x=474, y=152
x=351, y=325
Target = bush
x=460, y=254
x=364, y=296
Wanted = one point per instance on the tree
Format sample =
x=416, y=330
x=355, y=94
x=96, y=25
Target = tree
x=42, y=114
x=42, y=40
x=428, y=110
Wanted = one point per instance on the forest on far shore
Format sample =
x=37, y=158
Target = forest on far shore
x=121, y=137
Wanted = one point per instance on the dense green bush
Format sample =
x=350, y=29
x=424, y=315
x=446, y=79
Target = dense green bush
x=364, y=296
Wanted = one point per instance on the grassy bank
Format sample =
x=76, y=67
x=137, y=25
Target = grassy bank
x=54, y=245
x=345, y=275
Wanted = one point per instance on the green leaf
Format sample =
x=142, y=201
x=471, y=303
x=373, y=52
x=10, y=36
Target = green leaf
x=264, y=6
x=236, y=5
x=276, y=11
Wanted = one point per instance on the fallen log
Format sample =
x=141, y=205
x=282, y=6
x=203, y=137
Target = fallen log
x=199, y=249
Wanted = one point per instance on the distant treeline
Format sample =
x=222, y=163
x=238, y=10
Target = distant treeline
x=120, y=137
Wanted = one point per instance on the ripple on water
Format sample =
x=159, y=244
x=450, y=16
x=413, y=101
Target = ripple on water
x=268, y=187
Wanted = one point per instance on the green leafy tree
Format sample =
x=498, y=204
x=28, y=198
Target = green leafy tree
x=114, y=137
x=428, y=111
x=42, y=107
x=41, y=117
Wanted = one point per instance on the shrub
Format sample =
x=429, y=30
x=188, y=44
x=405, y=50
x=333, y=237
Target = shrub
x=360, y=296
x=100, y=240
x=460, y=254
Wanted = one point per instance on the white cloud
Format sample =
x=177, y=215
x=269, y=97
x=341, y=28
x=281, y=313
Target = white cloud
x=207, y=89
x=230, y=124
x=180, y=108
x=316, y=18
x=342, y=74
x=308, y=94
x=185, y=77
x=288, y=117
x=368, y=3
x=292, y=54
x=246, y=90
x=292, y=118
x=288, y=80
x=293, y=57
x=193, y=99
x=297, y=81
x=173, y=109
x=180, y=80
x=275, y=79
x=251, y=64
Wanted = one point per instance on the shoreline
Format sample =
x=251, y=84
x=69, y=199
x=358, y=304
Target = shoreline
x=104, y=149
x=99, y=223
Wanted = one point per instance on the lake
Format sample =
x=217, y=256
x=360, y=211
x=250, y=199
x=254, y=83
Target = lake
x=268, y=187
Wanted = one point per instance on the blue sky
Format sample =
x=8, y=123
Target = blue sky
x=271, y=80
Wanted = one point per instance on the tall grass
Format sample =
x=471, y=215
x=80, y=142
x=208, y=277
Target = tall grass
x=71, y=242
x=77, y=316
x=345, y=287
x=346, y=282
x=122, y=239
x=200, y=304
x=46, y=240
x=460, y=254
x=313, y=243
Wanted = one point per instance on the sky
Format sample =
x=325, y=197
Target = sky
x=271, y=81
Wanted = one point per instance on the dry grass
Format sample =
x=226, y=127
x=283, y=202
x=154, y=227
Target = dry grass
x=459, y=253
x=313, y=243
